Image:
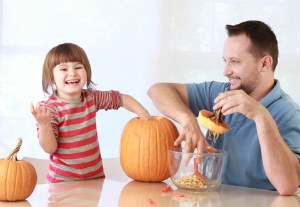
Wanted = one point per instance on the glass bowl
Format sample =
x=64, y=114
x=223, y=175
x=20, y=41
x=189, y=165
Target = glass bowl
x=196, y=172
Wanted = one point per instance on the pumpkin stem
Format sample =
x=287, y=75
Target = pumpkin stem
x=13, y=155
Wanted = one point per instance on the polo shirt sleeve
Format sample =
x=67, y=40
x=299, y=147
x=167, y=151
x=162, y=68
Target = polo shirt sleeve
x=202, y=95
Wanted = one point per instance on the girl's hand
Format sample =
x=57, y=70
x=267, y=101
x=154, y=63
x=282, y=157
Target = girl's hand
x=131, y=104
x=41, y=113
x=145, y=115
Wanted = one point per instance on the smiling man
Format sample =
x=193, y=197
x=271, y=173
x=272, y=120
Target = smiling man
x=263, y=142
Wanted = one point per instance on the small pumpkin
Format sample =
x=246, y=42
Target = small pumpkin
x=143, y=148
x=17, y=177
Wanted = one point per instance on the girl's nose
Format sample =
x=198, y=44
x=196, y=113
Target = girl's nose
x=72, y=72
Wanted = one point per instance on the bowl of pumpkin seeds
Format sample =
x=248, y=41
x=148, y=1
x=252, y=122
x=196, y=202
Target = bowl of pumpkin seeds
x=196, y=171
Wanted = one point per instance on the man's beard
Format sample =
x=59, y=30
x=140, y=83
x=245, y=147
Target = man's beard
x=247, y=88
x=249, y=85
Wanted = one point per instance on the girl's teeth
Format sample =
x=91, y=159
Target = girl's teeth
x=72, y=82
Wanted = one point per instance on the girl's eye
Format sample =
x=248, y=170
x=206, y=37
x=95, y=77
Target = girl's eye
x=63, y=69
x=79, y=67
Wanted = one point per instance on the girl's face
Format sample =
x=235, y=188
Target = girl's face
x=70, y=78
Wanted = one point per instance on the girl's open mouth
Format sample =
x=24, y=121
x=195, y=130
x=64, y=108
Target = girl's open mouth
x=72, y=82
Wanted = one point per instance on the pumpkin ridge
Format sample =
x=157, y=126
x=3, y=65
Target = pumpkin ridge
x=174, y=130
x=126, y=152
x=17, y=192
x=160, y=137
x=124, y=142
x=12, y=171
x=155, y=156
x=152, y=147
x=132, y=142
x=168, y=143
x=6, y=178
x=28, y=180
x=141, y=152
x=139, y=126
x=151, y=143
x=158, y=152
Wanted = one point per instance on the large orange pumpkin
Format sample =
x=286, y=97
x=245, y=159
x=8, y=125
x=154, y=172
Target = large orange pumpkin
x=143, y=148
x=17, y=177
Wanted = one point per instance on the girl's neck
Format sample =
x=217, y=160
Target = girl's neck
x=69, y=99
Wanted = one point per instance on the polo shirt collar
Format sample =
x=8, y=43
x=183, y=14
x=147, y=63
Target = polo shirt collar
x=274, y=94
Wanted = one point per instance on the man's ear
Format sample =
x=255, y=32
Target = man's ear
x=266, y=63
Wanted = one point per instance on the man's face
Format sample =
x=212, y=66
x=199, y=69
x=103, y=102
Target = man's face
x=241, y=67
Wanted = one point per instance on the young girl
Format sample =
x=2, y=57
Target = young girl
x=66, y=122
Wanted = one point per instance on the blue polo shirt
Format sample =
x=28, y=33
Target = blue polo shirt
x=244, y=165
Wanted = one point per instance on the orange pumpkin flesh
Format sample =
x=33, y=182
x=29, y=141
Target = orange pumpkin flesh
x=17, y=177
x=216, y=128
x=143, y=148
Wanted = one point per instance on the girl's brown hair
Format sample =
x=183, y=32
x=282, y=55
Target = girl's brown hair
x=63, y=53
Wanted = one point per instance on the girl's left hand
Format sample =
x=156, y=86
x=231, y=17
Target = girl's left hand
x=145, y=115
x=41, y=113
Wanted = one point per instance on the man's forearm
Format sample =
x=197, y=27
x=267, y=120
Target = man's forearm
x=280, y=163
x=170, y=99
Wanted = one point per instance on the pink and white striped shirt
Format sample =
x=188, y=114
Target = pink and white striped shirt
x=78, y=154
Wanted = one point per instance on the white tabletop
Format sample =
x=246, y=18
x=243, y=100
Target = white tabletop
x=119, y=190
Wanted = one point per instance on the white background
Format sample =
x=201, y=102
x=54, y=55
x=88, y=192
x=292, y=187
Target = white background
x=131, y=44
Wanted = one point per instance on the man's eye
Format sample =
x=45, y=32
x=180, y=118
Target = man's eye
x=234, y=62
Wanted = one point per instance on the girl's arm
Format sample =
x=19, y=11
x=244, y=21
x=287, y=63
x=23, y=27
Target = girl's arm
x=46, y=136
x=131, y=104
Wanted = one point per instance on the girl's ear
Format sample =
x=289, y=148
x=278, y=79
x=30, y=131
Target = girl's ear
x=52, y=80
x=266, y=63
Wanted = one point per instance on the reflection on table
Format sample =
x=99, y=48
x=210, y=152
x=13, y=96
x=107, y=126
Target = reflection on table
x=117, y=190
x=76, y=193
x=112, y=192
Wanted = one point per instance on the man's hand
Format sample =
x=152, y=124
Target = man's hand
x=238, y=101
x=193, y=137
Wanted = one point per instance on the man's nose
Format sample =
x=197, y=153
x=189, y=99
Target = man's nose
x=227, y=70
